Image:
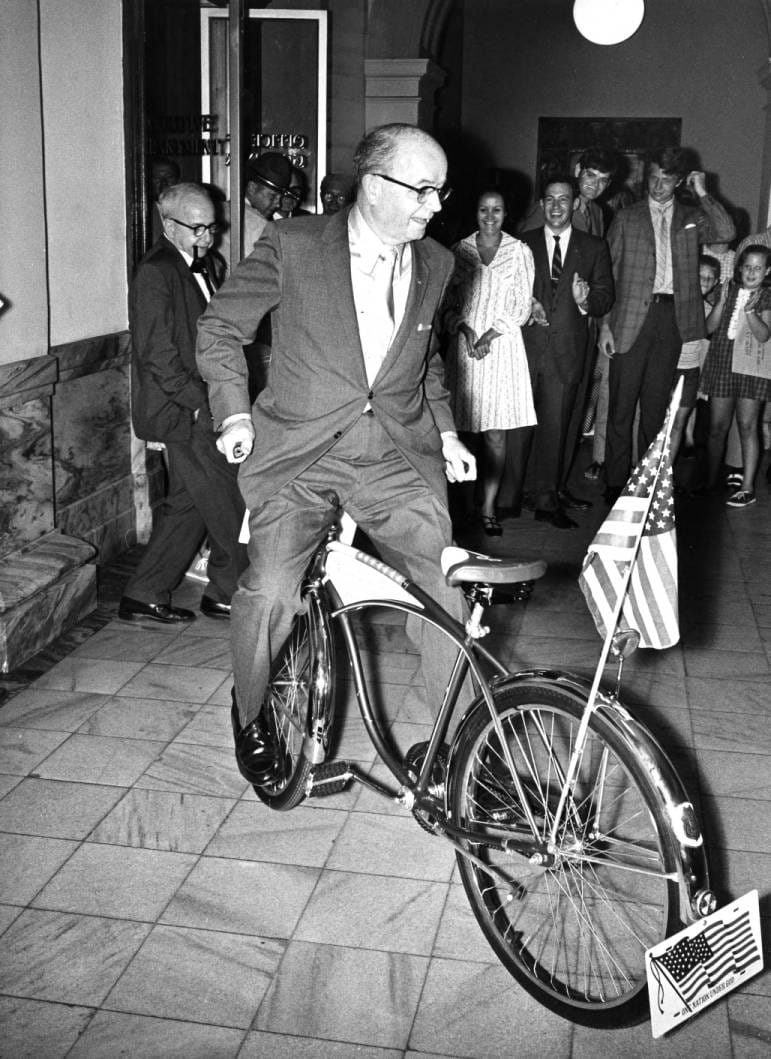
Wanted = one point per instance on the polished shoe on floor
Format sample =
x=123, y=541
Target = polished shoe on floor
x=212, y=609
x=256, y=752
x=134, y=610
x=557, y=518
x=567, y=500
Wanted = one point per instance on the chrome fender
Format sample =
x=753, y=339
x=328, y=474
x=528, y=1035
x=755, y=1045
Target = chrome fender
x=696, y=897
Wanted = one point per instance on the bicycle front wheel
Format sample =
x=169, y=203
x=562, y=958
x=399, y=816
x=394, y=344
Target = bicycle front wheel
x=298, y=696
x=573, y=931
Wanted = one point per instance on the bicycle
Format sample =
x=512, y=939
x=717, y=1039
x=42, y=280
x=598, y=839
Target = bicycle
x=576, y=854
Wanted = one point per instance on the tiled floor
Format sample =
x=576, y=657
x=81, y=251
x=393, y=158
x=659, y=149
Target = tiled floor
x=152, y=907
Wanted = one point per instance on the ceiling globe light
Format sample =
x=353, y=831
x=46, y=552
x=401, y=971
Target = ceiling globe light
x=608, y=21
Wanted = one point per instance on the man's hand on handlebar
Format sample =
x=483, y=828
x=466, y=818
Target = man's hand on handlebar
x=237, y=440
x=459, y=464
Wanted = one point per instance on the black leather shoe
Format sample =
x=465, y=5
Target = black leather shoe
x=577, y=503
x=256, y=752
x=557, y=518
x=212, y=609
x=134, y=610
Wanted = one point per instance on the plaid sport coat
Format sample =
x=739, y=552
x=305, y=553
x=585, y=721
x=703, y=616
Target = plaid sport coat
x=633, y=255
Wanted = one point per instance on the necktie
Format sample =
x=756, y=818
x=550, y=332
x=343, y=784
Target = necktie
x=387, y=265
x=556, y=264
x=199, y=265
x=662, y=251
x=587, y=219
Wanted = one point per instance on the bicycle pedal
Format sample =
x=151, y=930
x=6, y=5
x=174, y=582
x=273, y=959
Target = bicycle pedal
x=330, y=777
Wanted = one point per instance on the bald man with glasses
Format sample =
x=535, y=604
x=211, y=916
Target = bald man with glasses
x=355, y=415
x=169, y=405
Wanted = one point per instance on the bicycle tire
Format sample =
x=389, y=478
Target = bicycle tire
x=298, y=692
x=573, y=934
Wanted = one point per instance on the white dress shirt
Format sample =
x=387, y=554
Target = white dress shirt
x=370, y=265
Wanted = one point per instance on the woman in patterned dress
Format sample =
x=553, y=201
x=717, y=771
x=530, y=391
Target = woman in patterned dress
x=490, y=298
x=742, y=315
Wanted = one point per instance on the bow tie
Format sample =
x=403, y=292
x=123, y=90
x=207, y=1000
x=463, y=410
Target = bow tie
x=198, y=265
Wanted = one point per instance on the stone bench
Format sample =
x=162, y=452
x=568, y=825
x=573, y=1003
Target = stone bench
x=45, y=588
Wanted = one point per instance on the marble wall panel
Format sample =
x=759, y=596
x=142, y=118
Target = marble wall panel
x=92, y=447
x=26, y=490
x=105, y=519
x=93, y=484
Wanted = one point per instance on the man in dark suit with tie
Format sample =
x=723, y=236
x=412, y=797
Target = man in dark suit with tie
x=355, y=414
x=573, y=282
x=169, y=404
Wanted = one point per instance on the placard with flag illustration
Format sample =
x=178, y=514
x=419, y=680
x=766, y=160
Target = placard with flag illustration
x=693, y=969
x=650, y=605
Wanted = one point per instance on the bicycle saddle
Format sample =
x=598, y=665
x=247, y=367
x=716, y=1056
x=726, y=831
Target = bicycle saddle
x=461, y=566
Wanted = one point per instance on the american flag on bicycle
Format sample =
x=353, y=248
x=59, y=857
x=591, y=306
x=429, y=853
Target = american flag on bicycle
x=704, y=961
x=644, y=512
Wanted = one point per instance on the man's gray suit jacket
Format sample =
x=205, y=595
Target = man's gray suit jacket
x=317, y=386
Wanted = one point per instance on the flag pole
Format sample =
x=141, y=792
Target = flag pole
x=583, y=727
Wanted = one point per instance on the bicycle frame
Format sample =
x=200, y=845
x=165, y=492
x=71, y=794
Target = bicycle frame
x=352, y=582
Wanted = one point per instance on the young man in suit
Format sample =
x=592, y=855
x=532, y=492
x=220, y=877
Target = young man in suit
x=355, y=414
x=169, y=404
x=654, y=247
x=573, y=282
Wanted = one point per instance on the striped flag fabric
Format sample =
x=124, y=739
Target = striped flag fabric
x=645, y=511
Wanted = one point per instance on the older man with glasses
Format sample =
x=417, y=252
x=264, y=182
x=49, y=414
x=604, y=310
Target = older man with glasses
x=355, y=415
x=169, y=405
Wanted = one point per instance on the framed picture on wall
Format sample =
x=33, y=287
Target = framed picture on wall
x=562, y=141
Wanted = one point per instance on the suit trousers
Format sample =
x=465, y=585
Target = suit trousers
x=578, y=410
x=645, y=373
x=409, y=525
x=554, y=399
x=202, y=499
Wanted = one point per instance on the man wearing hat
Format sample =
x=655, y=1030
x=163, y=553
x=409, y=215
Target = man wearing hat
x=267, y=179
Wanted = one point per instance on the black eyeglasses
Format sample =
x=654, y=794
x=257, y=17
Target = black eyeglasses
x=442, y=193
x=198, y=229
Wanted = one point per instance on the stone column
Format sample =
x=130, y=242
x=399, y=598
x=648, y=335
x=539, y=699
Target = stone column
x=401, y=90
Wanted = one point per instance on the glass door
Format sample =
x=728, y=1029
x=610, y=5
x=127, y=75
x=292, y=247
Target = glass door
x=284, y=101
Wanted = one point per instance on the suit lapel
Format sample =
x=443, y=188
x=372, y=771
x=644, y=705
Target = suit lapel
x=339, y=303
x=417, y=292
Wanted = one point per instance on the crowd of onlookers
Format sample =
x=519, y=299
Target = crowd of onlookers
x=655, y=293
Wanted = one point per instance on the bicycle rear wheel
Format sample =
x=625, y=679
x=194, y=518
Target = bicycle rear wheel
x=299, y=692
x=574, y=931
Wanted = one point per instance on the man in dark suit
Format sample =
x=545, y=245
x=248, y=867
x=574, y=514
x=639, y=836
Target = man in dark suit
x=169, y=404
x=654, y=247
x=573, y=282
x=355, y=414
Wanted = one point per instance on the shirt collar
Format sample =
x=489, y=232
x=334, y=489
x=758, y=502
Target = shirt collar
x=564, y=234
x=656, y=207
x=366, y=247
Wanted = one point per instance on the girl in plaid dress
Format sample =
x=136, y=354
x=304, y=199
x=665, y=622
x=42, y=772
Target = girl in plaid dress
x=743, y=313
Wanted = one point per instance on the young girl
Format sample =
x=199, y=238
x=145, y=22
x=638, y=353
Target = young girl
x=691, y=361
x=741, y=327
